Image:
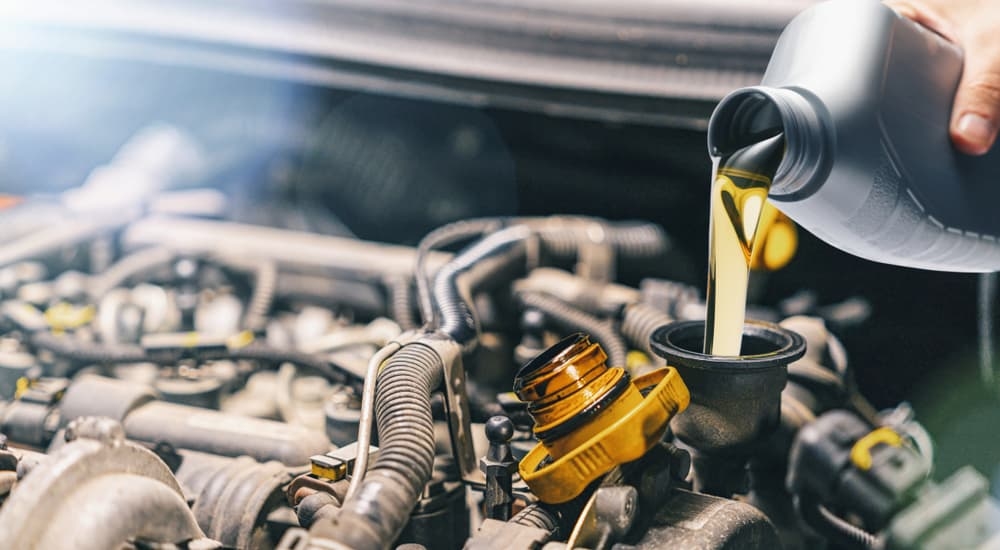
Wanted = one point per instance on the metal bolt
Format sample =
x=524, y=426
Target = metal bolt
x=680, y=463
x=499, y=466
x=615, y=507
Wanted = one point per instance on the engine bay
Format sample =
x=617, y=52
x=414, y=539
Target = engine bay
x=276, y=309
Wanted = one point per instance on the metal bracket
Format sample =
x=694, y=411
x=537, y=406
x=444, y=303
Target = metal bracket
x=596, y=256
x=457, y=406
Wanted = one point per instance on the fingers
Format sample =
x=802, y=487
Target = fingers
x=926, y=15
x=904, y=8
x=971, y=24
x=976, y=113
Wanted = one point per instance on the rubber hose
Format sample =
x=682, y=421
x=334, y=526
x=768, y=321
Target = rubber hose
x=535, y=515
x=262, y=297
x=377, y=514
x=638, y=323
x=568, y=317
x=456, y=317
x=631, y=240
x=444, y=236
x=401, y=302
x=232, y=496
x=87, y=352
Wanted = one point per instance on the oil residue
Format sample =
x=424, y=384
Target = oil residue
x=741, y=181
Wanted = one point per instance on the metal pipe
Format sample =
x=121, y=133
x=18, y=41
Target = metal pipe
x=359, y=260
x=367, y=414
x=186, y=427
x=379, y=509
x=96, y=491
x=110, y=511
x=126, y=268
x=63, y=234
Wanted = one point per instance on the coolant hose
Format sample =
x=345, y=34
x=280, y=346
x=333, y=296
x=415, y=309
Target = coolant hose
x=572, y=319
x=378, y=512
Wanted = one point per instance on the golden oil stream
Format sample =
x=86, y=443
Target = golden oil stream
x=739, y=201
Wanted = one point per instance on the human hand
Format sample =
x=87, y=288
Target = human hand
x=973, y=25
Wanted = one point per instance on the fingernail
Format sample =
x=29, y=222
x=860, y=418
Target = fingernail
x=976, y=128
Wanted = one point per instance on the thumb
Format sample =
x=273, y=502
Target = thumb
x=976, y=113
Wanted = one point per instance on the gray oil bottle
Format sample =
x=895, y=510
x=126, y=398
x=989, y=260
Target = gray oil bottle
x=863, y=97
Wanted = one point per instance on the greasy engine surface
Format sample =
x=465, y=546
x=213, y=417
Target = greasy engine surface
x=254, y=296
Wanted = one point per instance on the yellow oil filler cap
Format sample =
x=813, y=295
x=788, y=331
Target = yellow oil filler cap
x=589, y=417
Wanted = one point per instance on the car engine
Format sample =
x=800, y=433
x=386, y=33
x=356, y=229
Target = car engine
x=263, y=294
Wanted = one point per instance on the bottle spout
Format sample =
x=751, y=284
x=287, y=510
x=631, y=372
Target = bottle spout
x=752, y=115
